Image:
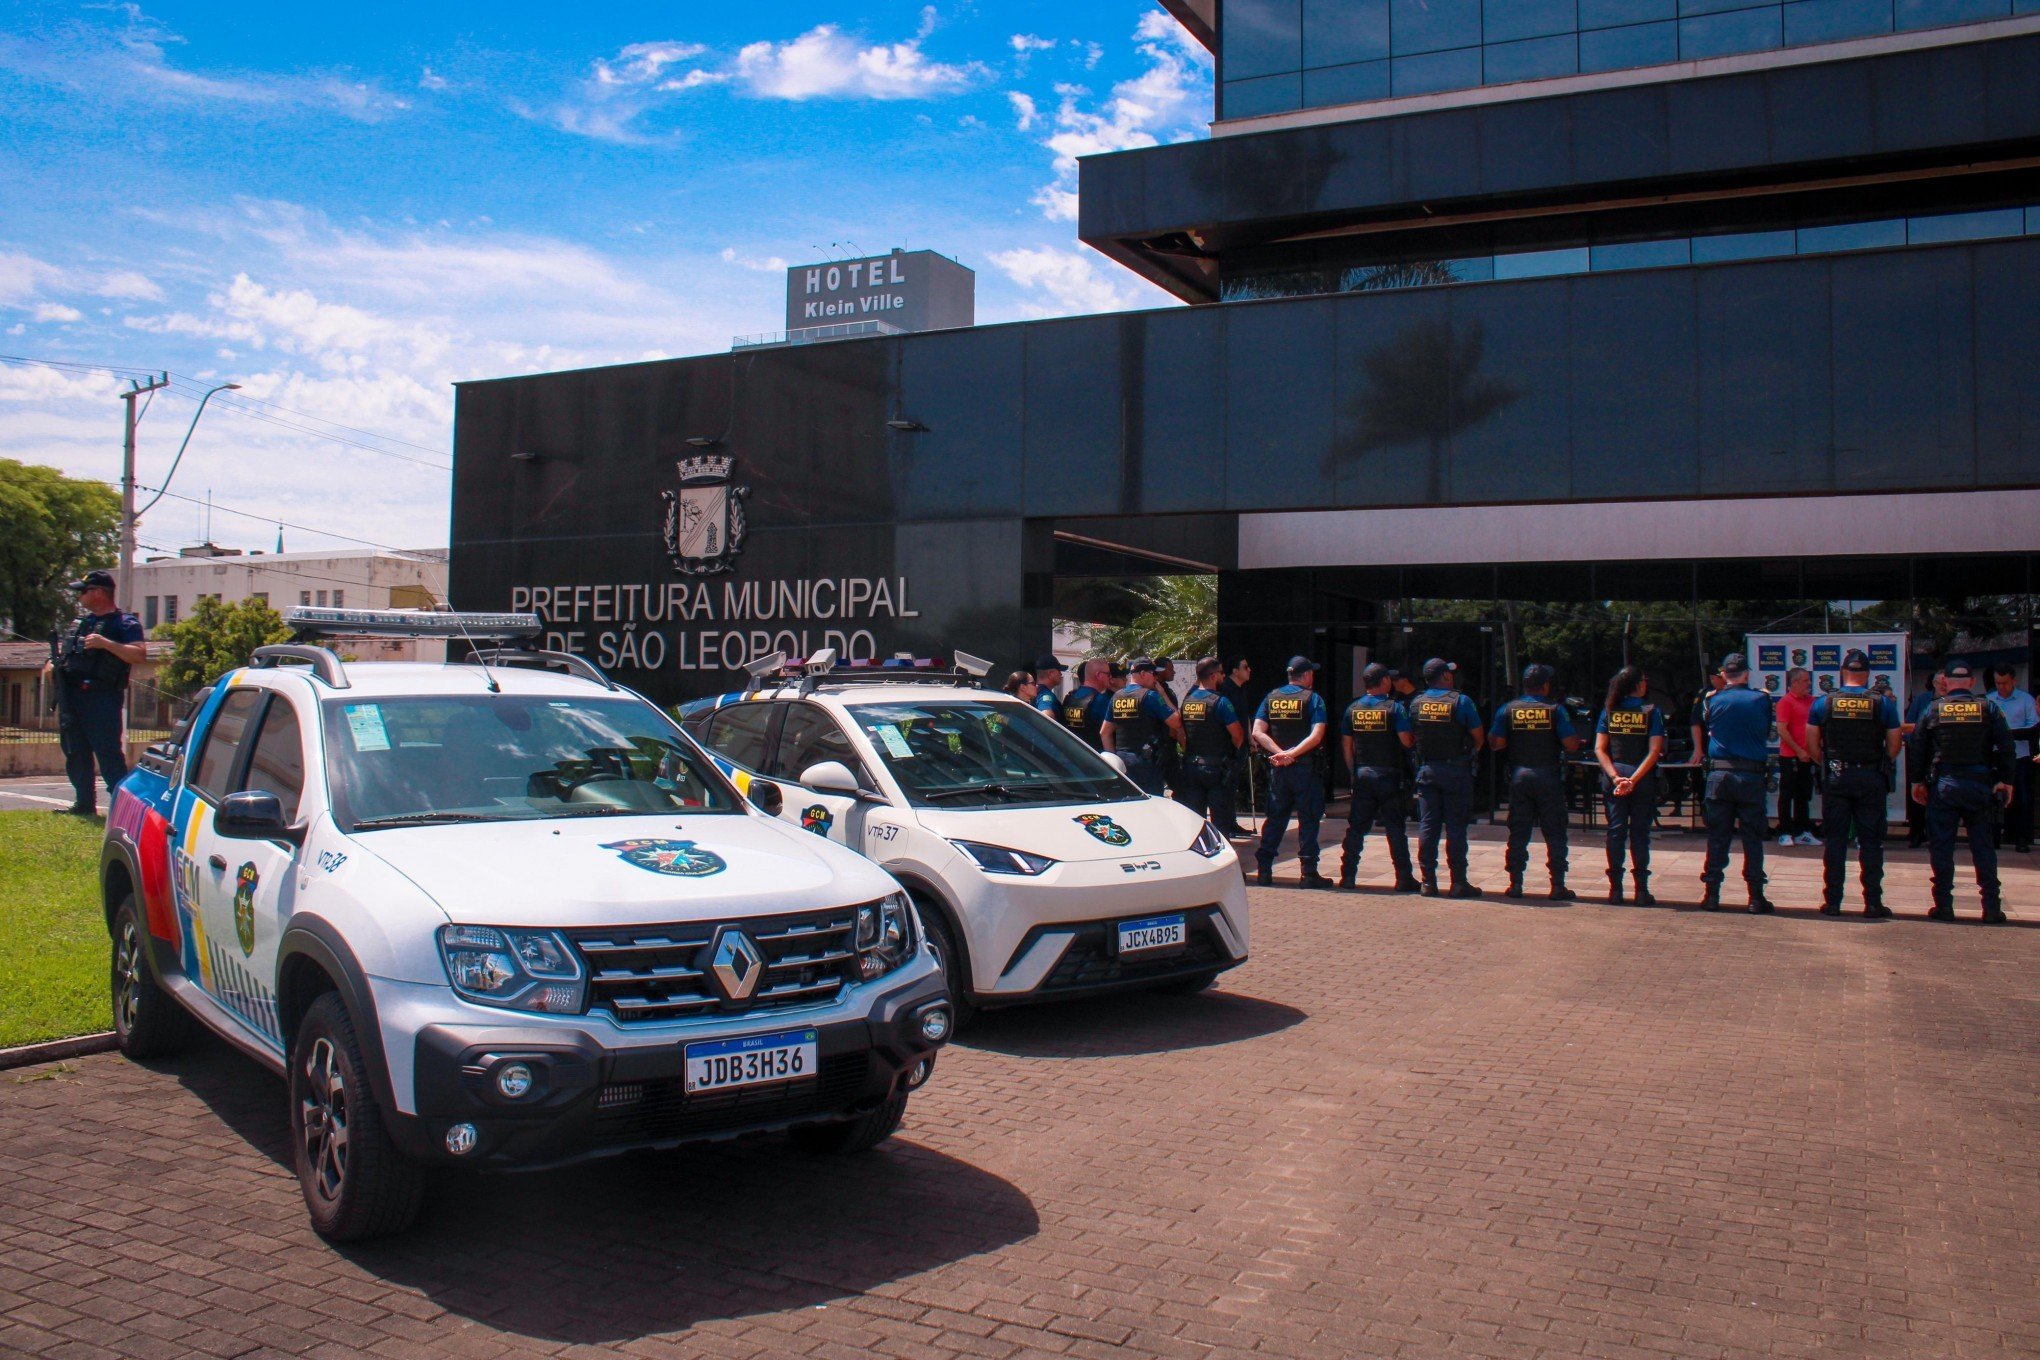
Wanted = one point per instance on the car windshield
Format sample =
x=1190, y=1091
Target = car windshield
x=962, y=753
x=510, y=757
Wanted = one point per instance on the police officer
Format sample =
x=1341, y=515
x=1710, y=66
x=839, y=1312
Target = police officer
x=1446, y=735
x=1233, y=688
x=1083, y=708
x=94, y=662
x=1374, y=736
x=1852, y=737
x=1738, y=721
x=1537, y=734
x=1212, y=737
x=1961, y=759
x=1138, y=721
x=1048, y=675
x=1629, y=742
x=1290, y=727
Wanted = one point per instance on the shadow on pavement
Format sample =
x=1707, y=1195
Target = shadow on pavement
x=630, y=1246
x=1121, y=1026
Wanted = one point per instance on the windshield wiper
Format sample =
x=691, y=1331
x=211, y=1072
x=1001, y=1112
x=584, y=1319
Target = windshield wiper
x=967, y=790
x=423, y=819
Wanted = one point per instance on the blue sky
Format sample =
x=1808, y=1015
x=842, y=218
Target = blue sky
x=347, y=209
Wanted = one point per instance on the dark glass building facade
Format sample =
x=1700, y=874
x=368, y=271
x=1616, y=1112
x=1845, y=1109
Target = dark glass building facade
x=1759, y=339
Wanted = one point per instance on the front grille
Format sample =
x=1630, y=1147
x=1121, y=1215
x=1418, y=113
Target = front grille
x=1092, y=959
x=640, y=973
x=650, y=1111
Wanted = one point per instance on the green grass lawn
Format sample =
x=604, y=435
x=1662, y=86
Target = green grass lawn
x=53, y=946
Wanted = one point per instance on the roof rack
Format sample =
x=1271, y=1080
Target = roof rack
x=323, y=662
x=516, y=656
x=308, y=622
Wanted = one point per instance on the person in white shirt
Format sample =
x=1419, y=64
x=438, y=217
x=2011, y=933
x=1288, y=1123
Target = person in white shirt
x=2022, y=716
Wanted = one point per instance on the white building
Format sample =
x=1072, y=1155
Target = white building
x=165, y=588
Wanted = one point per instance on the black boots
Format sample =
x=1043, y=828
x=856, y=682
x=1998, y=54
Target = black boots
x=1264, y=877
x=1461, y=888
x=1711, y=899
x=1643, y=895
x=1312, y=878
x=1515, y=888
x=1404, y=883
x=1941, y=911
x=1429, y=887
x=1616, y=896
x=1876, y=911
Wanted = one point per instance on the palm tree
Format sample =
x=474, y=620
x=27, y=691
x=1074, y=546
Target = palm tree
x=1178, y=618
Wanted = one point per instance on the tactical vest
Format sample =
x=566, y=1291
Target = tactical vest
x=1434, y=721
x=1852, y=733
x=1375, y=740
x=1289, y=715
x=1532, y=732
x=1133, y=729
x=94, y=667
x=1204, y=736
x=1961, y=730
x=1629, y=734
x=1076, y=713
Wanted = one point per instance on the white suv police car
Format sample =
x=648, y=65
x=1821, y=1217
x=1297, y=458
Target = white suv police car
x=486, y=914
x=1040, y=870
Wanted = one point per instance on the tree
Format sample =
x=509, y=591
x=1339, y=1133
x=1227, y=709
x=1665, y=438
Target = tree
x=1178, y=618
x=214, y=639
x=53, y=529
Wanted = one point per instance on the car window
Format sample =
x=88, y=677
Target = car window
x=807, y=738
x=277, y=764
x=223, y=742
x=739, y=733
x=971, y=753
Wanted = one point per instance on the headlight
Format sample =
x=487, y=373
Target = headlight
x=523, y=970
x=1208, y=843
x=997, y=859
x=885, y=935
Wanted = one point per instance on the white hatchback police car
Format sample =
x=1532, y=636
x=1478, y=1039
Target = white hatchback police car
x=1040, y=871
x=481, y=913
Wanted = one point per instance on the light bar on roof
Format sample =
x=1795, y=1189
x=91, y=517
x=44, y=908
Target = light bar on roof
x=311, y=621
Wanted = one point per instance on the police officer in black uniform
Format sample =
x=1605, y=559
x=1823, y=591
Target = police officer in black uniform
x=1083, y=708
x=1537, y=734
x=1290, y=727
x=1852, y=738
x=1212, y=736
x=94, y=661
x=1139, y=725
x=1375, y=737
x=1447, y=735
x=1961, y=757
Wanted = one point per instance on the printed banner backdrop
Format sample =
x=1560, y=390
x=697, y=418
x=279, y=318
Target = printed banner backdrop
x=1773, y=654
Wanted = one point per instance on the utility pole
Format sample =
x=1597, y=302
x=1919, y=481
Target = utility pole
x=124, y=572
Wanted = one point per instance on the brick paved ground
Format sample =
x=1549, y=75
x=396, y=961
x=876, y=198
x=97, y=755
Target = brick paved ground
x=1406, y=1128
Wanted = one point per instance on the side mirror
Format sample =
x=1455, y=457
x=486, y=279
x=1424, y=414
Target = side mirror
x=1112, y=758
x=254, y=816
x=831, y=776
x=766, y=797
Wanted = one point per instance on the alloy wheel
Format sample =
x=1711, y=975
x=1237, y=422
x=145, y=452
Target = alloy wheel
x=323, y=1119
x=127, y=977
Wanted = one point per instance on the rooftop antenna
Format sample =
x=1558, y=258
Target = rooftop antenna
x=488, y=670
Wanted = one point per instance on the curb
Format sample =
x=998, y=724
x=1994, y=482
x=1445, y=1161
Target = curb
x=28, y=1055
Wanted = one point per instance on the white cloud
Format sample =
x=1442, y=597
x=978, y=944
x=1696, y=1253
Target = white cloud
x=643, y=62
x=1024, y=111
x=826, y=63
x=1024, y=43
x=1170, y=98
x=771, y=264
x=129, y=285
x=23, y=276
x=1069, y=279
x=429, y=80
x=56, y=311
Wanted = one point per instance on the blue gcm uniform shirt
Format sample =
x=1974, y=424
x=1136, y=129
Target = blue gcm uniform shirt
x=1739, y=724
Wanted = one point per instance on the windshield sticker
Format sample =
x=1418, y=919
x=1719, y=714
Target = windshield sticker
x=817, y=819
x=894, y=742
x=1104, y=828
x=365, y=725
x=659, y=856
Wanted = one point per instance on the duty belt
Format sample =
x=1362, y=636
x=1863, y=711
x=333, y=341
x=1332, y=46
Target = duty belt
x=1740, y=766
x=1961, y=771
x=1378, y=769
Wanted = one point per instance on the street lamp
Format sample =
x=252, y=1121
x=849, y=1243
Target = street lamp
x=131, y=516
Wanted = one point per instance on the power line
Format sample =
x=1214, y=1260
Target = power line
x=235, y=405
x=69, y=366
x=301, y=528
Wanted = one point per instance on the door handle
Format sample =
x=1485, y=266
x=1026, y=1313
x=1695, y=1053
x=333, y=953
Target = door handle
x=218, y=862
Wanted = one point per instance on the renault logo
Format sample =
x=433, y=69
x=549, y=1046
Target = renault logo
x=737, y=965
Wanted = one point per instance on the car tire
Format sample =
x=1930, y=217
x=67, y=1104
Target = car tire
x=356, y=1184
x=147, y=1021
x=853, y=1135
x=955, y=973
x=1188, y=986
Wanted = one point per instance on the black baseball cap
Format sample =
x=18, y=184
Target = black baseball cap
x=1856, y=659
x=1140, y=663
x=1115, y=669
x=1301, y=665
x=1735, y=663
x=1957, y=670
x=1537, y=675
x=94, y=580
x=1047, y=661
x=1438, y=666
x=1374, y=675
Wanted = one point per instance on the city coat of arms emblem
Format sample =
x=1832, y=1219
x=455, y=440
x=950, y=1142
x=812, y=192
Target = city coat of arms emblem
x=245, y=881
x=705, y=516
x=1105, y=829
